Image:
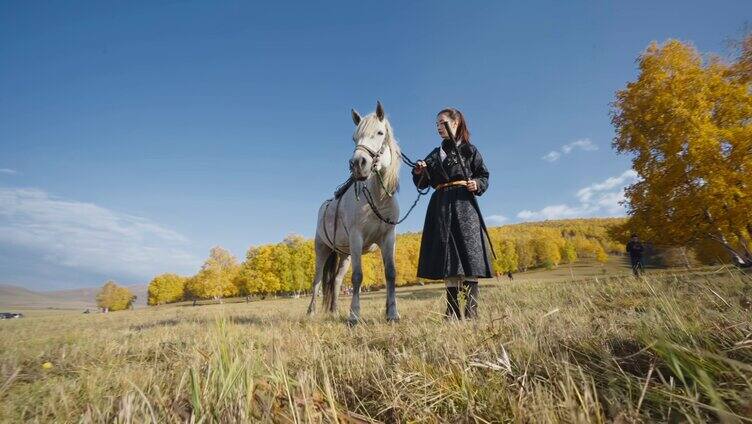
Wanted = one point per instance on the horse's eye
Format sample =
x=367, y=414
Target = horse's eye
x=381, y=132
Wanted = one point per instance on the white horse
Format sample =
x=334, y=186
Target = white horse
x=348, y=227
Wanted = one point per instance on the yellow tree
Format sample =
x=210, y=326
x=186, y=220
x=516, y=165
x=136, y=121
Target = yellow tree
x=297, y=272
x=283, y=263
x=259, y=273
x=742, y=69
x=216, y=278
x=307, y=257
x=506, y=256
x=114, y=297
x=547, y=251
x=525, y=253
x=406, y=258
x=568, y=252
x=687, y=124
x=373, y=269
x=166, y=288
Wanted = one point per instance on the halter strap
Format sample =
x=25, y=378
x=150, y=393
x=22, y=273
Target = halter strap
x=368, y=150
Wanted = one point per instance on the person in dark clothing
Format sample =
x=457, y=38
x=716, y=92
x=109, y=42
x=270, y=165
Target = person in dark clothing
x=635, y=248
x=454, y=246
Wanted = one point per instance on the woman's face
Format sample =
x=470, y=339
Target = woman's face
x=440, y=125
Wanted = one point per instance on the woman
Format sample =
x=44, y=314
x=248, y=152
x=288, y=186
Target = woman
x=454, y=246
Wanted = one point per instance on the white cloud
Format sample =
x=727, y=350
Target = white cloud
x=601, y=198
x=496, y=219
x=552, y=156
x=582, y=144
x=8, y=171
x=89, y=237
x=550, y=212
x=611, y=202
x=586, y=194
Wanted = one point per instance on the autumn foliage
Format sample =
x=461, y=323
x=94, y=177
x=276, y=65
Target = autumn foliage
x=166, y=288
x=114, y=297
x=687, y=122
x=216, y=279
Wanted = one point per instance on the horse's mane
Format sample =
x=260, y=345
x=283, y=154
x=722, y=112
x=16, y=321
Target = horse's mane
x=390, y=175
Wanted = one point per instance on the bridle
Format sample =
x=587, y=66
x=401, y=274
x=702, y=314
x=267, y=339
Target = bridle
x=374, y=155
x=367, y=193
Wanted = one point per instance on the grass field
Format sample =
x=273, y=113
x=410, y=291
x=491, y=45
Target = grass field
x=671, y=347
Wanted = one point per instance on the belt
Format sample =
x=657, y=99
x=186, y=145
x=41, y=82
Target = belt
x=451, y=184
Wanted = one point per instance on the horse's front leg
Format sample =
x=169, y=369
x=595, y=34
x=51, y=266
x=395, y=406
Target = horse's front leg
x=390, y=274
x=356, y=252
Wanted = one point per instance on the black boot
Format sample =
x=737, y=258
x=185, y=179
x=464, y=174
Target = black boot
x=471, y=295
x=453, y=304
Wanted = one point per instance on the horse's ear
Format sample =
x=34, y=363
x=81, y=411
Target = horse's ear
x=379, y=110
x=355, y=116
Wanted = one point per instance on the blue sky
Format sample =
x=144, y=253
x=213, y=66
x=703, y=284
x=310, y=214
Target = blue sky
x=136, y=136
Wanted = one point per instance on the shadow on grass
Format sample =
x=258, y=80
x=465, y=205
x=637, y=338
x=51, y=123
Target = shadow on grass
x=156, y=324
x=249, y=320
x=423, y=293
x=234, y=319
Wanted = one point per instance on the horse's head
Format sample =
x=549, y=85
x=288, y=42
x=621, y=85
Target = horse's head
x=373, y=144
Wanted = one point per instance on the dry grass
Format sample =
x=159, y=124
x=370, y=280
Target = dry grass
x=664, y=348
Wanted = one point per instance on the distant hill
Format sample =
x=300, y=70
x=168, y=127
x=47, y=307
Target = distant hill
x=22, y=298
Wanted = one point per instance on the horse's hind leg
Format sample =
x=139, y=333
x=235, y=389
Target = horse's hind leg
x=322, y=253
x=344, y=264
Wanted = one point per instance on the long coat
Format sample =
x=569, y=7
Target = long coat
x=453, y=241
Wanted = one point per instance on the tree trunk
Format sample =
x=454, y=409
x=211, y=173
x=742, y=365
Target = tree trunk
x=684, y=254
x=743, y=242
x=740, y=261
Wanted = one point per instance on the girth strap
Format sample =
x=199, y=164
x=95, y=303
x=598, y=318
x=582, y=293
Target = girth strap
x=336, y=218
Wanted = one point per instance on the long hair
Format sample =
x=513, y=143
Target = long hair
x=463, y=133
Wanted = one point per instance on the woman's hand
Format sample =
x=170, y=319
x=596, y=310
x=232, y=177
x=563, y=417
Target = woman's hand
x=420, y=166
x=472, y=186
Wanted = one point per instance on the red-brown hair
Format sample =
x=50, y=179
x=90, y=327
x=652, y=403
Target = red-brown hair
x=462, y=133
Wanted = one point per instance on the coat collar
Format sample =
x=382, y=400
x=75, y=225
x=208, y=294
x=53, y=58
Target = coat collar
x=446, y=148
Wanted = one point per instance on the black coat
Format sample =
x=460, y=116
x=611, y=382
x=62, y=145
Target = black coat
x=453, y=241
x=634, y=248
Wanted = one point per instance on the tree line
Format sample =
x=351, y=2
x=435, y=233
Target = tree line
x=288, y=267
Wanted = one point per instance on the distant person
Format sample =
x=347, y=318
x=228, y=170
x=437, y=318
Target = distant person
x=509, y=275
x=454, y=247
x=635, y=248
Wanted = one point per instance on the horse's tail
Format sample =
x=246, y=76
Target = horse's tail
x=327, y=281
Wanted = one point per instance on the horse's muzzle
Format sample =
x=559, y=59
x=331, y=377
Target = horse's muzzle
x=359, y=168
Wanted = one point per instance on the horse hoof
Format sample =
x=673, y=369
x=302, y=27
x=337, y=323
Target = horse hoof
x=352, y=322
x=393, y=320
